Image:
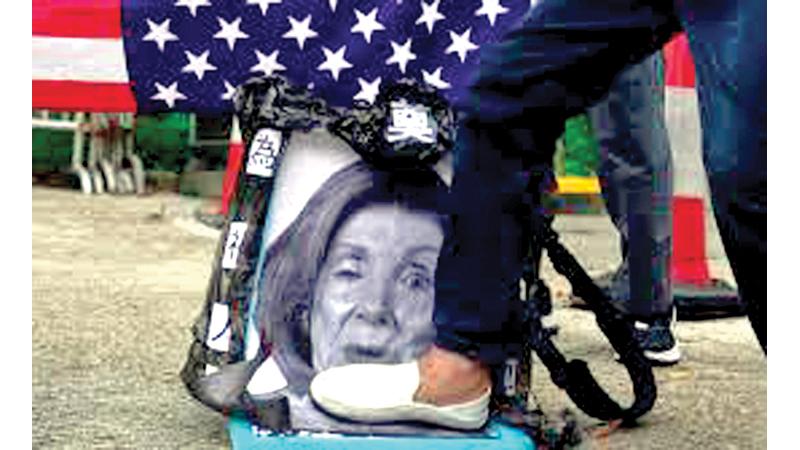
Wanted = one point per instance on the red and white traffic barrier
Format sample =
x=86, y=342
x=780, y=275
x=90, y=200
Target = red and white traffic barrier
x=235, y=153
x=698, y=287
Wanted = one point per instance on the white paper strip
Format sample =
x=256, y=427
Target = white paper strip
x=264, y=152
x=232, y=244
x=219, y=322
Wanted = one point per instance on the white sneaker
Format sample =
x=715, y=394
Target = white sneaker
x=376, y=393
x=657, y=340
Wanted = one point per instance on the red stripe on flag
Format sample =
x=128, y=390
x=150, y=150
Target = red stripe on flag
x=678, y=63
x=83, y=96
x=77, y=18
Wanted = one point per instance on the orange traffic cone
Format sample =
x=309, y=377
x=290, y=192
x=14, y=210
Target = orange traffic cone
x=696, y=294
x=689, y=265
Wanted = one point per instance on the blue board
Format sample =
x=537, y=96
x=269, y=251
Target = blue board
x=496, y=437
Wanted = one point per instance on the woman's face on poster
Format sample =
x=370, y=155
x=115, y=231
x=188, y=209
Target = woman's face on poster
x=373, y=300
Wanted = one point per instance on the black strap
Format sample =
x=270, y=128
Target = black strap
x=574, y=376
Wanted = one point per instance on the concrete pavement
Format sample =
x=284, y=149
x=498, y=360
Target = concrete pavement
x=117, y=281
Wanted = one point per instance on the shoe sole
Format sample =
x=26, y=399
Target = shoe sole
x=664, y=358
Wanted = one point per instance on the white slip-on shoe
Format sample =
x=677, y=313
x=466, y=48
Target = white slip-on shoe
x=376, y=393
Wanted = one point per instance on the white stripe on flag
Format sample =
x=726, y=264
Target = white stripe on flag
x=79, y=59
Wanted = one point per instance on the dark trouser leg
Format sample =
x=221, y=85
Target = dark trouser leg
x=636, y=177
x=730, y=55
x=562, y=60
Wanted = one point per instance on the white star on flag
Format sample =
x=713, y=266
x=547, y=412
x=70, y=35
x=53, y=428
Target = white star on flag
x=369, y=91
x=230, y=31
x=491, y=9
x=168, y=94
x=210, y=42
x=230, y=90
x=401, y=55
x=192, y=5
x=267, y=64
x=159, y=33
x=300, y=30
x=199, y=65
x=430, y=15
x=334, y=61
x=461, y=44
x=435, y=78
x=264, y=4
x=367, y=24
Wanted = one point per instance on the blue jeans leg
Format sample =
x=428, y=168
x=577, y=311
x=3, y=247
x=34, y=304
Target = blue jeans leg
x=636, y=178
x=562, y=60
x=729, y=49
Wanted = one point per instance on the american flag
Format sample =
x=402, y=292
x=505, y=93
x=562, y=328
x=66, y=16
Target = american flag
x=189, y=55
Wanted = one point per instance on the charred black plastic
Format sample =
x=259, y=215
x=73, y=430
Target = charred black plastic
x=273, y=102
x=276, y=104
x=574, y=376
x=365, y=128
x=260, y=103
